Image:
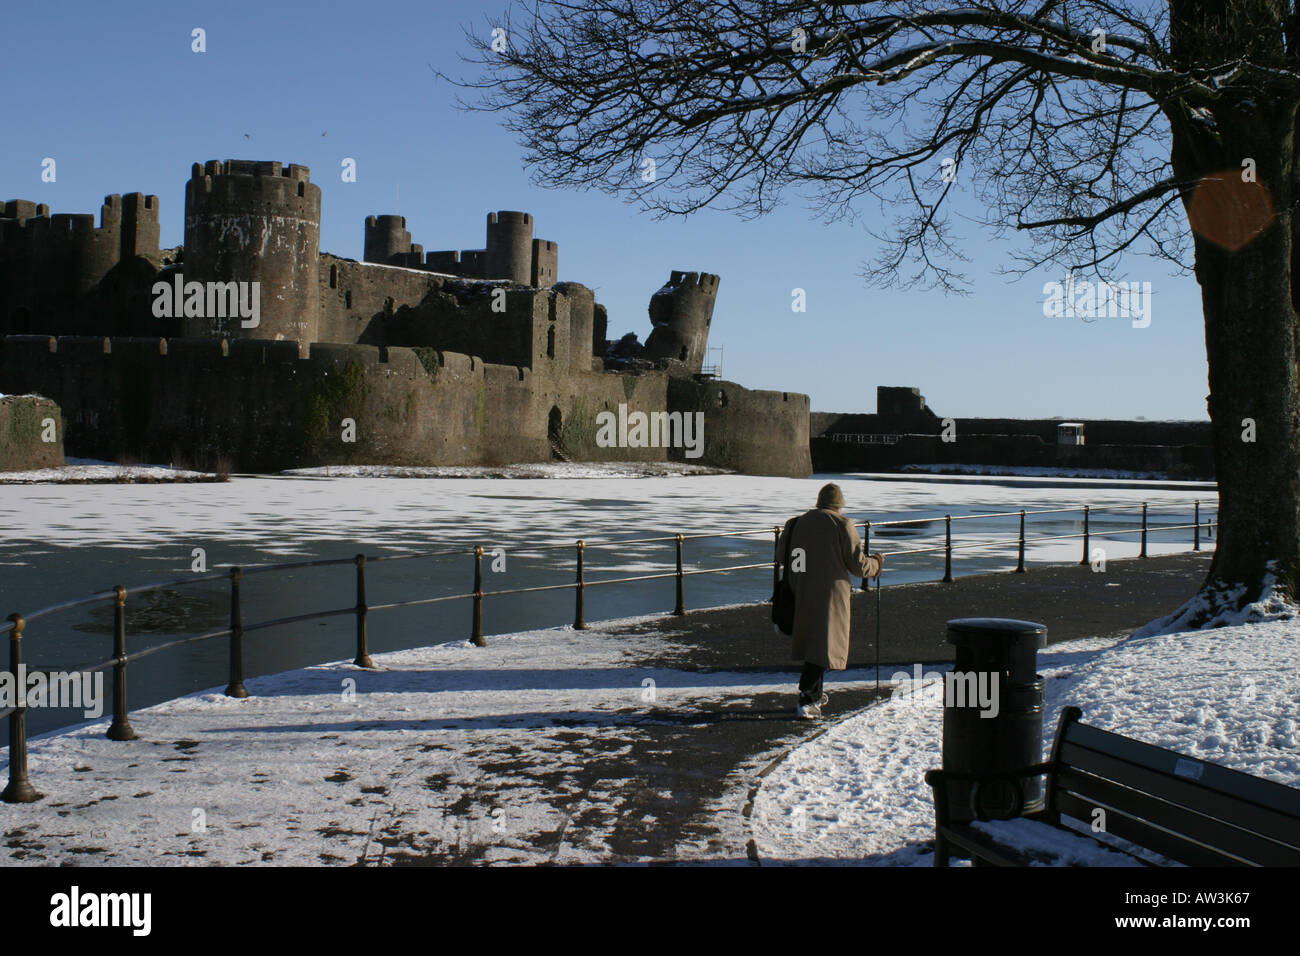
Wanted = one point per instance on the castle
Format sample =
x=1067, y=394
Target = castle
x=462, y=357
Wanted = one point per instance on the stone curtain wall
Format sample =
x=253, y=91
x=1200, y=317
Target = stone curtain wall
x=260, y=406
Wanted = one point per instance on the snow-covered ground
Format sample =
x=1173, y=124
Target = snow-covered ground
x=444, y=746
x=86, y=471
x=455, y=745
x=555, y=469
x=856, y=794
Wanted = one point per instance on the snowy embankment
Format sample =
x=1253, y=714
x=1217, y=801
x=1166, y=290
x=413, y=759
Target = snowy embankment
x=440, y=749
x=553, y=469
x=89, y=471
x=1034, y=471
x=1230, y=695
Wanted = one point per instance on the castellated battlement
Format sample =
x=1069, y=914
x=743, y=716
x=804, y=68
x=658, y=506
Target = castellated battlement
x=146, y=205
x=510, y=252
x=323, y=355
x=131, y=205
x=705, y=282
x=69, y=225
x=250, y=167
x=21, y=209
x=463, y=263
x=24, y=220
x=255, y=185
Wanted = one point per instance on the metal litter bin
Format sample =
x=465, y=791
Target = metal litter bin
x=1002, y=656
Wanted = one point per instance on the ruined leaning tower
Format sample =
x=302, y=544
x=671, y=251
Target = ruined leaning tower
x=249, y=221
x=681, y=312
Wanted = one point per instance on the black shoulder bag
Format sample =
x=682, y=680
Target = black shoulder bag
x=782, y=593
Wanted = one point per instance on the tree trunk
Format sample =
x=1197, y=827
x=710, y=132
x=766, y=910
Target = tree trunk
x=1244, y=246
x=1250, y=344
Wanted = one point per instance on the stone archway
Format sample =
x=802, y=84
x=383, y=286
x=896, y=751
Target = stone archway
x=555, y=434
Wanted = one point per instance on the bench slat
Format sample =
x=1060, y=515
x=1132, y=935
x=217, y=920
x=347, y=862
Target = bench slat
x=1266, y=793
x=1167, y=844
x=1192, y=795
x=979, y=844
x=1115, y=798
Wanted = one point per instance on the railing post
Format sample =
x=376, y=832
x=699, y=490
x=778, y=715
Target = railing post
x=476, y=629
x=363, y=639
x=947, y=549
x=121, y=728
x=1020, y=563
x=776, y=560
x=579, y=619
x=1084, y=559
x=20, y=789
x=1196, y=535
x=680, y=609
x=1144, y=530
x=236, y=685
x=866, y=549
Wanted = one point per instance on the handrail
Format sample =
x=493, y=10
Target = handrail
x=20, y=789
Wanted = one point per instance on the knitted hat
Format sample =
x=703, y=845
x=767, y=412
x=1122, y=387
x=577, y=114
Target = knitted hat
x=830, y=497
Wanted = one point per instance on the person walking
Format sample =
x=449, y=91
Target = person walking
x=824, y=551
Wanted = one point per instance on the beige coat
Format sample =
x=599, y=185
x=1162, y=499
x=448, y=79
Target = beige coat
x=832, y=551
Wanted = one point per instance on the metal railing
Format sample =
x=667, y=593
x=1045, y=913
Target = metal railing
x=20, y=790
x=866, y=438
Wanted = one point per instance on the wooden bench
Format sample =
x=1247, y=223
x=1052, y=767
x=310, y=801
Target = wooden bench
x=1183, y=810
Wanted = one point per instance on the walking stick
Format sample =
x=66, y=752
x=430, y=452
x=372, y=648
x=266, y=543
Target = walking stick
x=877, y=637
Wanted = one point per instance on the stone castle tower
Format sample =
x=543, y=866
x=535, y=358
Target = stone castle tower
x=248, y=221
x=52, y=265
x=680, y=313
x=386, y=237
x=509, y=252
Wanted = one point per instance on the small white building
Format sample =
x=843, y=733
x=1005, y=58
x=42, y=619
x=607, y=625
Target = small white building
x=1069, y=433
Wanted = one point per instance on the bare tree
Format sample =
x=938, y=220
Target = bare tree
x=1098, y=129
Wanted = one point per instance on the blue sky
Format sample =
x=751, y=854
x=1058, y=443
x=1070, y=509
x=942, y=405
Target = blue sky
x=114, y=94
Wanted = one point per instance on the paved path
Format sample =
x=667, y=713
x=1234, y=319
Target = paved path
x=707, y=758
